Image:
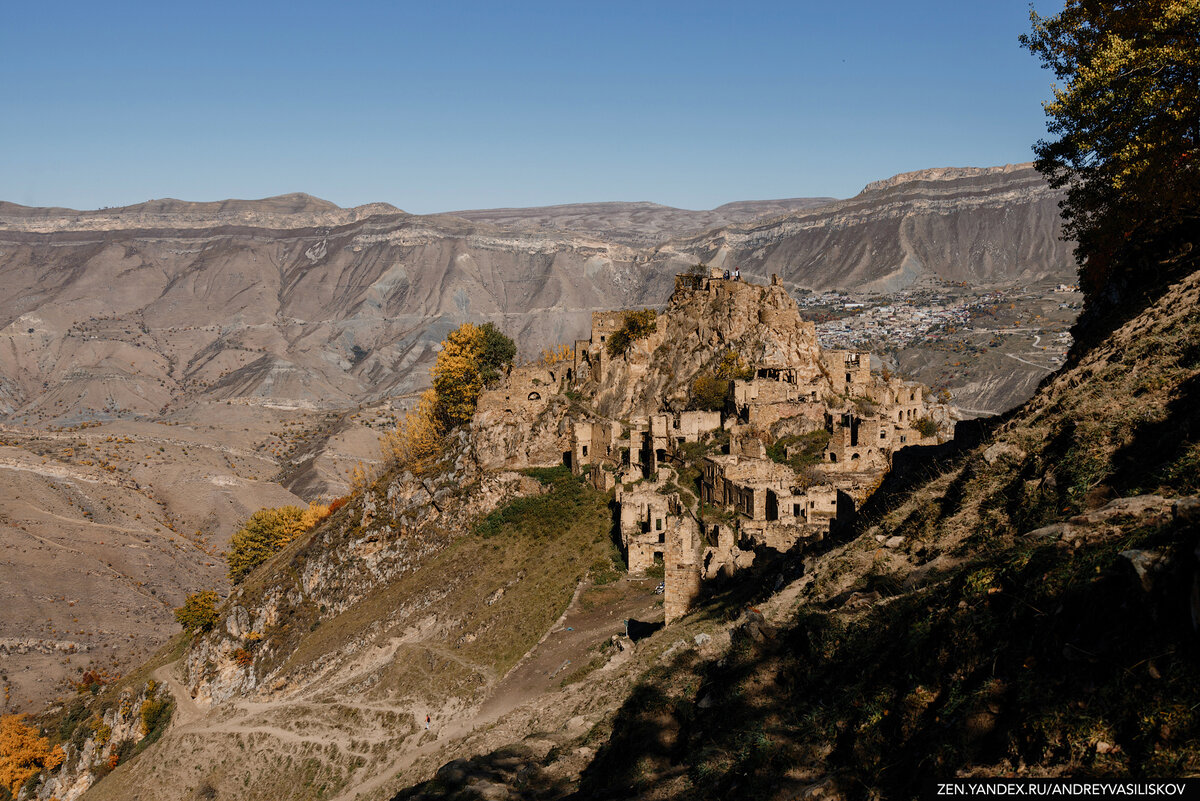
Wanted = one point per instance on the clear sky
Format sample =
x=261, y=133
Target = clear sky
x=452, y=105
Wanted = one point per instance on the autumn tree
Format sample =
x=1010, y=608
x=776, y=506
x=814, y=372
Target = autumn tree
x=265, y=533
x=457, y=381
x=199, y=611
x=24, y=753
x=417, y=439
x=1127, y=122
x=471, y=358
x=710, y=390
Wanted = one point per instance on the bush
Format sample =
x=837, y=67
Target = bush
x=472, y=357
x=416, y=441
x=926, y=427
x=807, y=449
x=637, y=325
x=154, y=716
x=199, y=611
x=265, y=533
x=709, y=393
x=24, y=753
x=496, y=355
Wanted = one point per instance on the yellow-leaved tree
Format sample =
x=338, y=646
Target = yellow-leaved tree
x=24, y=753
x=1127, y=126
x=416, y=440
x=457, y=381
x=266, y=532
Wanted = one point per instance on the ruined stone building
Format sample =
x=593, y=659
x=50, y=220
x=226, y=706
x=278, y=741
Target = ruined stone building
x=637, y=435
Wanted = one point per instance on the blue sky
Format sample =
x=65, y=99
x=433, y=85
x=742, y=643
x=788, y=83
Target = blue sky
x=442, y=106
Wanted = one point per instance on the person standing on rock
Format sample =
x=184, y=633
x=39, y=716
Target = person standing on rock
x=427, y=723
x=737, y=273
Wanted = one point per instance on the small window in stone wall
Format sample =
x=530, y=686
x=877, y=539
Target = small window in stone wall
x=585, y=450
x=534, y=396
x=658, y=524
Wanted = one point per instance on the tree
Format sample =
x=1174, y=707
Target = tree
x=1127, y=122
x=265, y=533
x=496, y=356
x=199, y=611
x=709, y=392
x=24, y=753
x=417, y=439
x=636, y=325
x=457, y=379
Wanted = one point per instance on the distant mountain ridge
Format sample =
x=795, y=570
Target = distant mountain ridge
x=295, y=210
x=636, y=223
x=291, y=299
x=978, y=225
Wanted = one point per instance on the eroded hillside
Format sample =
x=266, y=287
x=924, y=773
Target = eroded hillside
x=1049, y=568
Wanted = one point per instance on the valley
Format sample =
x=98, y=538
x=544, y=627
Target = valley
x=166, y=369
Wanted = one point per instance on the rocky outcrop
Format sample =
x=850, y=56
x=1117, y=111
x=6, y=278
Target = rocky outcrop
x=760, y=325
x=387, y=532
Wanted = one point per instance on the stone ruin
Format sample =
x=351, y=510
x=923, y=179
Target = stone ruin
x=747, y=501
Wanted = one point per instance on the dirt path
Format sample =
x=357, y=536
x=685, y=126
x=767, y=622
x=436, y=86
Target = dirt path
x=567, y=645
x=186, y=710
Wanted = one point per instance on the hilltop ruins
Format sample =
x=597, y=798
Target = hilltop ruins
x=802, y=438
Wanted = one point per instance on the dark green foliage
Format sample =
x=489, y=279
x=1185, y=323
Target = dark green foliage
x=545, y=515
x=497, y=354
x=637, y=325
x=926, y=427
x=807, y=449
x=199, y=611
x=549, y=475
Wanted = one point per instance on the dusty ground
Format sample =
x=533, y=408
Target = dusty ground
x=107, y=527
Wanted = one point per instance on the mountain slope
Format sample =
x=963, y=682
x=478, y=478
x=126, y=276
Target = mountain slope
x=977, y=225
x=1024, y=609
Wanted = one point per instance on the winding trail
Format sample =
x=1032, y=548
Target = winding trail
x=186, y=710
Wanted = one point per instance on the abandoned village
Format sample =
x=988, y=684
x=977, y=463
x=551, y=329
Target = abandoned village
x=801, y=438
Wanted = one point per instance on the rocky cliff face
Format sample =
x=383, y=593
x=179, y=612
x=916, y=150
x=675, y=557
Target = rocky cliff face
x=989, y=225
x=760, y=325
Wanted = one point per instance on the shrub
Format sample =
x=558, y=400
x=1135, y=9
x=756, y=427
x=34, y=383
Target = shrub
x=24, y=753
x=637, y=325
x=417, y=440
x=926, y=427
x=732, y=367
x=496, y=355
x=154, y=716
x=266, y=532
x=199, y=611
x=806, y=449
x=709, y=393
